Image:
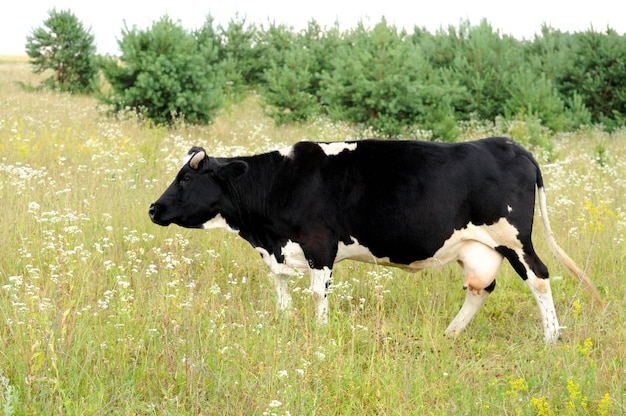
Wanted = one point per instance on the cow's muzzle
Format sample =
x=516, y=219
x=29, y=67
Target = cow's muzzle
x=154, y=213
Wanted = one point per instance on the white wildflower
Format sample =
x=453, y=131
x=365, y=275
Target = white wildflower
x=275, y=403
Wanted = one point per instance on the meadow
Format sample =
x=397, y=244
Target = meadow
x=104, y=313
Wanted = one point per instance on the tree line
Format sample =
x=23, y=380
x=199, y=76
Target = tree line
x=391, y=79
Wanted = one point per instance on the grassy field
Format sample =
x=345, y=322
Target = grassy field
x=102, y=312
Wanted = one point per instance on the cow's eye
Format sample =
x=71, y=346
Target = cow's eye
x=186, y=179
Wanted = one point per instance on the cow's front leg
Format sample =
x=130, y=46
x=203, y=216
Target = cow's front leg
x=320, y=281
x=283, y=296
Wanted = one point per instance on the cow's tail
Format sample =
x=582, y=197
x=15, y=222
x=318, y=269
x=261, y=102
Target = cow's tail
x=560, y=254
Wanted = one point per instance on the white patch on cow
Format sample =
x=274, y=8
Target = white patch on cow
x=294, y=256
x=501, y=233
x=282, y=291
x=355, y=251
x=286, y=151
x=462, y=244
x=508, y=208
x=334, y=148
x=330, y=149
x=294, y=264
x=218, y=222
x=273, y=264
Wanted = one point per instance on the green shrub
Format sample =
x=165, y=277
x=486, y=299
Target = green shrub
x=533, y=94
x=291, y=86
x=595, y=70
x=287, y=87
x=381, y=79
x=577, y=112
x=165, y=73
x=321, y=44
x=241, y=54
x=64, y=46
x=483, y=65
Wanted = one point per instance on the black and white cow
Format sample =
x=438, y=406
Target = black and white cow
x=400, y=203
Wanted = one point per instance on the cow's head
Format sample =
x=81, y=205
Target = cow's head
x=197, y=195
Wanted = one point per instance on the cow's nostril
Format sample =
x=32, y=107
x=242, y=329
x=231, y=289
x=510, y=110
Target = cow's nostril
x=152, y=210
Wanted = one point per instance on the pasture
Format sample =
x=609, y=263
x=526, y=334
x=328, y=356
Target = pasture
x=103, y=312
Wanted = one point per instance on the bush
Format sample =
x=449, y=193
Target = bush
x=68, y=49
x=287, y=88
x=381, y=79
x=291, y=85
x=165, y=73
x=477, y=59
x=241, y=55
x=534, y=94
x=595, y=70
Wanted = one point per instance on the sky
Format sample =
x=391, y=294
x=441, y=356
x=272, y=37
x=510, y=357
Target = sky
x=106, y=19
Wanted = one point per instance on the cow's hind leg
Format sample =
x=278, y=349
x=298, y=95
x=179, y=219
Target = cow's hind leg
x=535, y=275
x=480, y=265
x=540, y=289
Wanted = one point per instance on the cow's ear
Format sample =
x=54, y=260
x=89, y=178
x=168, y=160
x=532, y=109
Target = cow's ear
x=232, y=170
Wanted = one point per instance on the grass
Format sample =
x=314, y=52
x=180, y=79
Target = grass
x=102, y=312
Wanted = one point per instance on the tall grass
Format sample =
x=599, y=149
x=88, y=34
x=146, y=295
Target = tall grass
x=102, y=312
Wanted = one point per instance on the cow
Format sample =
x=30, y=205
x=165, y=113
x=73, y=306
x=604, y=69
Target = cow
x=409, y=204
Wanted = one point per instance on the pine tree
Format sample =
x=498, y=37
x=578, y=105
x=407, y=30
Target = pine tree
x=166, y=73
x=67, y=48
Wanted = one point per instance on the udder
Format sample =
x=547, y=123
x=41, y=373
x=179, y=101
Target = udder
x=480, y=265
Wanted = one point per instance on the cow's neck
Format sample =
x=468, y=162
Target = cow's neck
x=248, y=208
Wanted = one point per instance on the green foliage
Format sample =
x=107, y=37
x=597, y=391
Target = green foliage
x=64, y=46
x=577, y=112
x=276, y=40
x=166, y=73
x=287, y=88
x=9, y=397
x=396, y=83
x=296, y=62
x=534, y=94
x=601, y=154
x=322, y=45
x=596, y=71
x=381, y=79
x=480, y=60
x=240, y=54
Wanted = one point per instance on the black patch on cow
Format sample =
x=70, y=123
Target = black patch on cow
x=513, y=258
x=491, y=287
